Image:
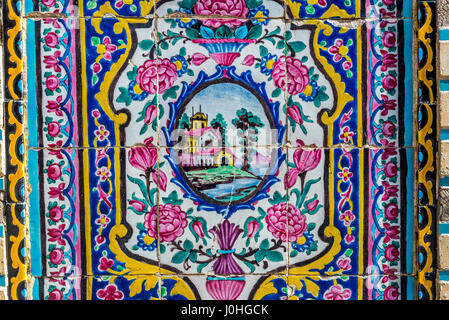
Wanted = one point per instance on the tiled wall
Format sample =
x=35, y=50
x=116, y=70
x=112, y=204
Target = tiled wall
x=444, y=138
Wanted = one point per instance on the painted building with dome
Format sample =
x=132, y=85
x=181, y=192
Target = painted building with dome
x=203, y=145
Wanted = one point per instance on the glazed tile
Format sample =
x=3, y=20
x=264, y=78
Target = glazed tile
x=223, y=86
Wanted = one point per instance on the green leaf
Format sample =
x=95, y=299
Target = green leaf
x=274, y=256
x=188, y=245
x=251, y=4
x=276, y=93
x=311, y=226
x=297, y=46
x=241, y=32
x=124, y=96
x=142, y=187
x=224, y=32
x=201, y=266
x=180, y=257
x=255, y=32
x=250, y=266
x=192, y=33
x=264, y=244
x=187, y=4
x=132, y=74
x=207, y=33
x=141, y=227
x=260, y=255
x=263, y=51
x=170, y=93
x=193, y=256
x=146, y=44
x=182, y=51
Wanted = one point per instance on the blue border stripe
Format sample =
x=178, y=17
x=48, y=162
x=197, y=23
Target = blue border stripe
x=444, y=275
x=444, y=34
x=410, y=212
x=444, y=85
x=443, y=228
x=408, y=83
x=444, y=181
x=2, y=233
x=35, y=232
x=2, y=281
x=444, y=135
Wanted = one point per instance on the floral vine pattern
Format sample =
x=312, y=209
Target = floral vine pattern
x=179, y=185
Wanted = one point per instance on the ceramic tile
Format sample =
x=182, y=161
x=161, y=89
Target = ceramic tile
x=234, y=90
x=174, y=156
x=238, y=9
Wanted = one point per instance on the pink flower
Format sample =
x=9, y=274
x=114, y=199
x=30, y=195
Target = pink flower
x=56, y=214
x=96, y=67
x=150, y=114
x=154, y=72
x=389, y=82
x=391, y=211
x=346, y=135
x=51, y=39
x=143, y=158
x=391, y=293
x=305, y=160
x=105, y=264
x=388, y=60
x=389, y=190
x=347, y=217
x=390, y=169
x=388, y=128
x=107, y=48
x=389, y=273
x=297, y=73
x=55, y=294
x=53, y=128
x=198, y=58
x=139, y=206
x=391, y=253
x=345, y=175
x=48, y=3
x=253, y=226
x=389, y=38
x=56, y=256
x=172, y=222
x=389, y=149
x=52, y=82
x=295, y=114
x=103, y=173
x=387, y=105
x=55, y=234
x=99, y=239
x=102, y=133
x=311, y=206
x=349, y=238
x=336, y=292
x=391, y=232
x=197, y=227
x=103, y=220
x=110, y=293
x=344, y=263
x=276, y=219
x=160, y=179
x=235, y=8
x=54, y=106
x=249, y=60
x=335, y=50
x=54, y=171
x=56, y=192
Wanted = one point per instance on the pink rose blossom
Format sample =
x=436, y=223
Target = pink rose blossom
x=56, y=214
x=110, y=293
x=389, y=82
x=55, y=294
x=51, y=39
x=53, y=128
x=336, y=292
x=391, y=211
x=52, y=82
x=139, y=206
x=277, y=222
x=54, y=171
x=154, y=72
x=172, y=222
x=391, y=293
x=56, y=256
x=198, y=58
x=235, y=8
x=297, y=73
x=389, y=38
x=391, y=253
x=390, y=169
